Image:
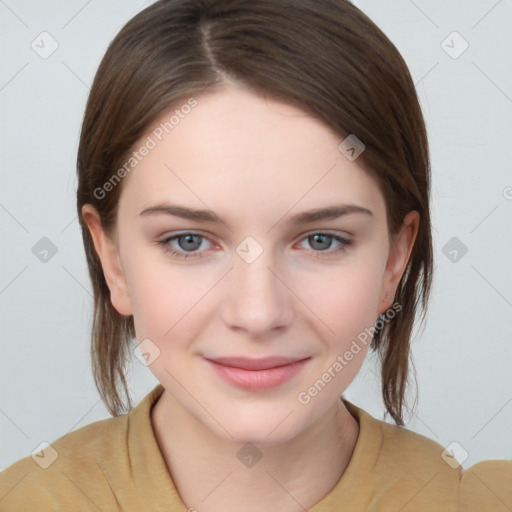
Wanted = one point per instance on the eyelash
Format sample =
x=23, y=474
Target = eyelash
x=344, y=243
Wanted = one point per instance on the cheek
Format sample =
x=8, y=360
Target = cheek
x=157, y=293
x=166, y=296
x=348, y=305
x=347, y=298
x=159, y=301
x=168, y=299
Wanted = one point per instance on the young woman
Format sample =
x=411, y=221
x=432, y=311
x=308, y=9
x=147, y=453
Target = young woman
x=254, y=199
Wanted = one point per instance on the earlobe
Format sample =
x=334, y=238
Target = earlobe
x=398, y=259
x=108, y=253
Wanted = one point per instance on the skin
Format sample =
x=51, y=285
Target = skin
x=254, y=162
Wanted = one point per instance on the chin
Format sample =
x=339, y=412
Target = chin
x=267, y=425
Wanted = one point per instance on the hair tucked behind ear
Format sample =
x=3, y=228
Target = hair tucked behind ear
x=323, y=56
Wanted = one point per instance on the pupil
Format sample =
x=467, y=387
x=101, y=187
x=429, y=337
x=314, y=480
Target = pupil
x=322, y=239
x=189, y=240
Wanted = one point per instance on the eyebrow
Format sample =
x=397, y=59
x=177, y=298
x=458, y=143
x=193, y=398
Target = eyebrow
x=315, y=215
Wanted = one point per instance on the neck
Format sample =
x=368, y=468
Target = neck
x=209, y=477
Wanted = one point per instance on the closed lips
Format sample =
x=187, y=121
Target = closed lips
x=256, y=364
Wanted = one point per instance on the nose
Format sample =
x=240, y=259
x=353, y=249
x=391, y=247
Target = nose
x=258, y=300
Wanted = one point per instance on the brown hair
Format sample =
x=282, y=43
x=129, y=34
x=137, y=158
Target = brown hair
x=323, y=56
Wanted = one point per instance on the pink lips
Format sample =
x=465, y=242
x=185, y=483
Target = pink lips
x=257, y=374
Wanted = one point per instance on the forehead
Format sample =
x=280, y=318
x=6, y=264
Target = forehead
x=238, y=150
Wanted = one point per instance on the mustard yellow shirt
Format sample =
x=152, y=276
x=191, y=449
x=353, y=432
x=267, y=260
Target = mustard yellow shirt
x=116, y=465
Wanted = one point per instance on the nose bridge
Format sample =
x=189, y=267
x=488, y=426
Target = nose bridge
x=257, y=299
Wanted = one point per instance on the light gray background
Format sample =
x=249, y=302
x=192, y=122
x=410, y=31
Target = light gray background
x=462, y=358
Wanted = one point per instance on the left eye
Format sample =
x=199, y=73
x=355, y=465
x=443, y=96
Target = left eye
x=189, y=243
x=323, y=241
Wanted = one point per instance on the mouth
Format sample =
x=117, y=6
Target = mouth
x=257, y=374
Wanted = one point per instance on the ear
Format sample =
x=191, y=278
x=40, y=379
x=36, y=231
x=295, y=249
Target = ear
x=399, y=253
x=108, y=253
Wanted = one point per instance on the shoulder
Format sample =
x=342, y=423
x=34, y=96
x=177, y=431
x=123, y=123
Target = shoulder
x=404, y=452
x=421, y=472
x=484, y=486
x=68, y=471
x=94, y=467
x=415, y=452
x=487, y=486
x=402, y=469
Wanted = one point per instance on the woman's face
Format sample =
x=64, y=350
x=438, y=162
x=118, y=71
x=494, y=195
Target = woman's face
x=217, y=254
